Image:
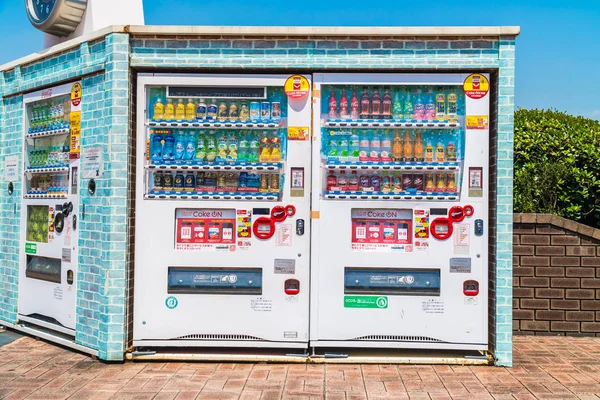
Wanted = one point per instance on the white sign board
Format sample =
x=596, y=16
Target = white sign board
x=93, y=165
x=11, y=168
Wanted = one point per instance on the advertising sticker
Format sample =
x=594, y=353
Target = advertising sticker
x=296, y=86
x=205, y=230
x=476, y=86
x=244, y=229
x=381, y=230
x=421, y=230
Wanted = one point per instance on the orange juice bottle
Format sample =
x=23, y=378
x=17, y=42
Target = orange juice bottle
x=397, y=147
x=408, y=147
x=419, y=147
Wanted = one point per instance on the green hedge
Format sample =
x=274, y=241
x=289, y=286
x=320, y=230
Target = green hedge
x=557, y=165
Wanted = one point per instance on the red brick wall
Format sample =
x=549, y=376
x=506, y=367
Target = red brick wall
x=556, y=270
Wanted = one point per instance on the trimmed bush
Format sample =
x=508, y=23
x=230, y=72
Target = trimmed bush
x=557, y=165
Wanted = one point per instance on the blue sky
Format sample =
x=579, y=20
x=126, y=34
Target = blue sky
x=558, y=54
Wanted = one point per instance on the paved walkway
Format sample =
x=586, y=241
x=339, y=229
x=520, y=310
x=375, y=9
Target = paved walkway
x=545, y=368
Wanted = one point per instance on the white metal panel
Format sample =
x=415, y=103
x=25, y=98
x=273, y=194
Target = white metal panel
x=459, y=325
x=286, y=324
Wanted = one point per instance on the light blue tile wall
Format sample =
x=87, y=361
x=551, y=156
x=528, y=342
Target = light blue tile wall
x=103, y=67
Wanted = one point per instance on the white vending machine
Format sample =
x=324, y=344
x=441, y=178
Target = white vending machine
x=222, y=211
x=399, y=254
x=50, y=205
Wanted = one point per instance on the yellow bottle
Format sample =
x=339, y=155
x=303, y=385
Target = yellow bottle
x=275, y=151
x=439, y=152
x=180, y=111
x=408, y=147
x=418, y=149
x=159, y=110
x=265, y=153
x=190, y=110
x=169, y=110
x=429, y=152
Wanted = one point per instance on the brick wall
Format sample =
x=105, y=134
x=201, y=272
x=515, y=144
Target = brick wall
x=556, y=276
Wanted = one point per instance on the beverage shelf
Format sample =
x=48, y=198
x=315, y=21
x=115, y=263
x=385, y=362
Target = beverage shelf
x=394, y=166
x=217, y=167
x=389, y=196
x=212, y=196
x=215, y=124
x=45, y=196
x=46, y=170
x=389, y=123
x=53, y=132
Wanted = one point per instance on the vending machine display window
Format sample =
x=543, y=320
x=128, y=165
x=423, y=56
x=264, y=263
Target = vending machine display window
x=43, y=268
x=398, y=142
x=221, y=143
x=47, y=149
x=38, y=223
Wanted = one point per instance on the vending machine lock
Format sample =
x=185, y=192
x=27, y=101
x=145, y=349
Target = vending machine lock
x=441, y=228
x=478, y=227
x=300, y=227
x=59, y=222
x=70, y=277
x=74, y=222
x=11, y=188
x=471, y=288
x=292, y=287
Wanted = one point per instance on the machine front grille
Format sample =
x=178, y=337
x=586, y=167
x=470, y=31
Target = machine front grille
x=202, y=336
x=396, y=338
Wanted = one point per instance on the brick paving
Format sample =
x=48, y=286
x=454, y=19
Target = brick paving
x=557, y=368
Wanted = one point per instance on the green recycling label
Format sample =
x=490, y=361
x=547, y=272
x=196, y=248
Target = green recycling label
x=365, y=302
x=171, y=302
x=30, y=248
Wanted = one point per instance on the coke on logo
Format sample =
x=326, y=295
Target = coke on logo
x=297, y=83
x=476, y=83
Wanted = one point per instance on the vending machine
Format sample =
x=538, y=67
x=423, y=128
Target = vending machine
x=49, y=232
x=222, y=211
x=400, y=211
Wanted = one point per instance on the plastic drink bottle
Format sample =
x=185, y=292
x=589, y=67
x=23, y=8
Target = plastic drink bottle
x=386, y=147
x=254, y=148
x=354, y=114
x=331, y=181
x=397, y=147
x=232, y=148
x=190, y=150
x=418, y=148
x=234, y=111
x=344, y=114
x=408, y=147
x=342, y=181
x=190, y=110
x=353, y=181
x=244, y=112
x=201, y=110
x=169, y=110
x=364, y=146
x=354, y=147
x=365, y=104
x=156, y=146
x=332, y=148
x=451, y=152
x=430, y=106
x=397, y=106
x=343, y=148
x=211, y=146
x=168, y=147
x=222, y=147
x=439, y=153
x=440, y=105
x=429, y=152
x=376, y=104
x=180, y=145
x=409, y=112
x=419, y=106
x=201, y=148
x=275, y=148
x=211, y=110
x=243, y=147
x=222, y=112
x=375, y=147
x=180, y=111
x=332, y=105
x=452, y=113
x=265, y=148
x=386, y=104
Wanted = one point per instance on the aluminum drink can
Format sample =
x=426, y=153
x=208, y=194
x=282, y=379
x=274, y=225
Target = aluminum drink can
x=407, y=181
x=274, y=182
x=265, y=111
x=264, y=182
x=276, y=110
x=418, y=181
x=168, y=181
x=158, y=180
x=254, y=111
